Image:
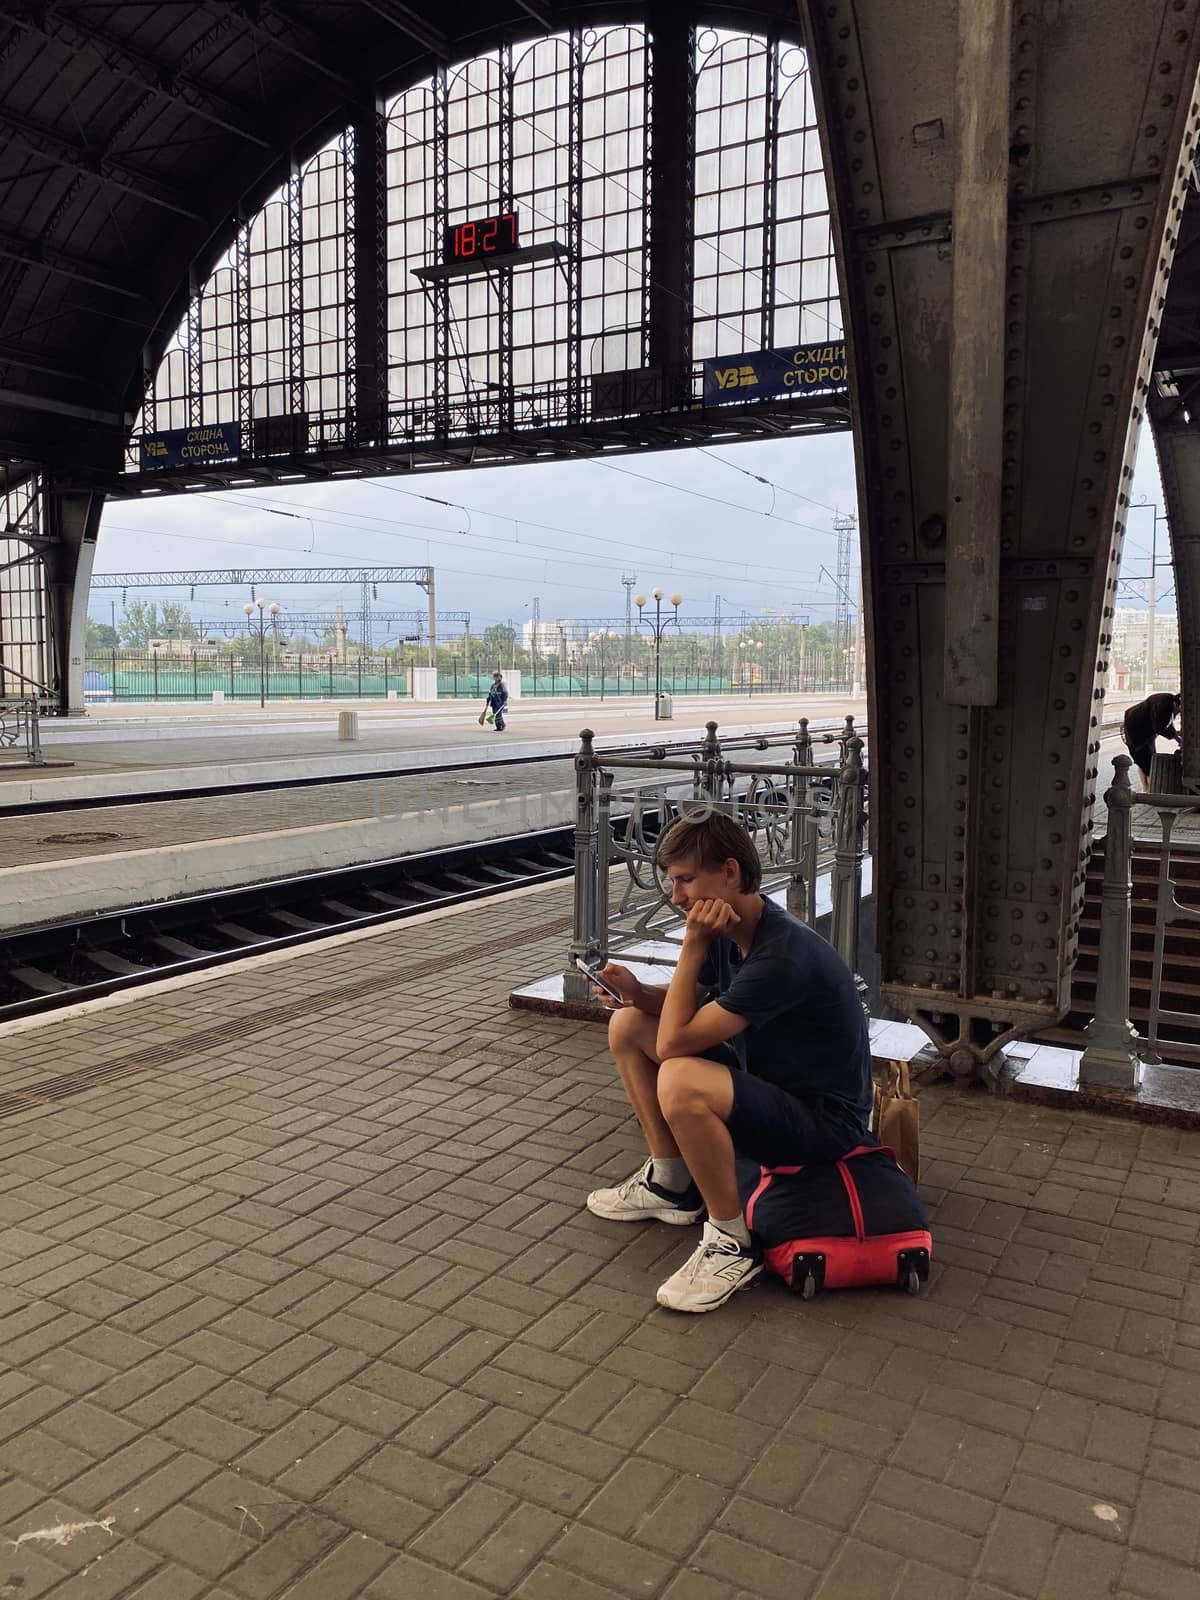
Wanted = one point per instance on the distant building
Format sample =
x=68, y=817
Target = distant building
x=204, y=648
x=560, y=638
x=1128, y=653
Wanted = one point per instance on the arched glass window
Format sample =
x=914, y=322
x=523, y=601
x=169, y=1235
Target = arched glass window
x=553, y=133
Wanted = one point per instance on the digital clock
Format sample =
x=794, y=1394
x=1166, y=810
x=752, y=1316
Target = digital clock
x=483, y=239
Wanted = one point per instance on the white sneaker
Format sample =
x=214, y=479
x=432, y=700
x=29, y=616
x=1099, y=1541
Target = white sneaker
x=639, y=1199
x=717, y=1268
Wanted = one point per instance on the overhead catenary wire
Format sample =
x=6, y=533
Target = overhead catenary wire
x=521, y=579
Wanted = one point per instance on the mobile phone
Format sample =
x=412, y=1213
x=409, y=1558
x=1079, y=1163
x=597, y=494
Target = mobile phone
x=591, y=974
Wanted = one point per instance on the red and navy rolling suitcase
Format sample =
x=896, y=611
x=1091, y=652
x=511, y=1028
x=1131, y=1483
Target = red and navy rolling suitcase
x=839, y=1225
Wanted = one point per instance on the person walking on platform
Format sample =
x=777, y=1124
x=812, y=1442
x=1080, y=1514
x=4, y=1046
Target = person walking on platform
x=1150, y=719
x=776, y=1067
x=494, y=704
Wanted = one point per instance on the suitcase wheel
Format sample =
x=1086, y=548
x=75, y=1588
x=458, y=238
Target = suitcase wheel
x=912, y=1270
x=808, y=1275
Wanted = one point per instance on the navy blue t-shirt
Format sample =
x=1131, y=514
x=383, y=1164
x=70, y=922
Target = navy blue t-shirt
x=807, y=1031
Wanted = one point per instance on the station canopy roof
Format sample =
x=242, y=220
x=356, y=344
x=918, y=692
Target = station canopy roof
x=134, y=136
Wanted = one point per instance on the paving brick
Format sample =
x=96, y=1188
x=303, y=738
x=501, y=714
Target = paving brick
x=271, y=1548
x=1151, y=1578
x=544, y=1483
x=550, y=1582
x=287, y=1446
x=767, y=1576
x=342, y=1574
x=635, y=1414
x=1101, y=1479
x=1017, y=1553
x=919, y=1582
x=784, y=1533
x=1084, y=1568
x=862, y=1571
x=995, y=1415
x=324, y=1464
x=681, y=1451
x=200, y=1542
x=150, y=1496
x=503, y=1559
x=617, y=1563
x=110, y=1572
x=838, y=1489
x=969, y=1513
x=1067, y=1506
x=172, y=1583
x=406, y=1578
x=679, y=1519
x=1167, y=1522
x=921, y=1538
x=128, y=1465
x=690, y=1585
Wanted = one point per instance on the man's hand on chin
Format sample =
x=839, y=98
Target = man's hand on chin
x=708, y=920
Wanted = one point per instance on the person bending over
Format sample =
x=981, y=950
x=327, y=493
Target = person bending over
x=759, y=1044
x=1144, y=723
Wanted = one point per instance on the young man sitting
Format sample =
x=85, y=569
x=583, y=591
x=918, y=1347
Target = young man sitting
x=776, y=1066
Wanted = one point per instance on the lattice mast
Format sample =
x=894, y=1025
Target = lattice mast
x=845, y=525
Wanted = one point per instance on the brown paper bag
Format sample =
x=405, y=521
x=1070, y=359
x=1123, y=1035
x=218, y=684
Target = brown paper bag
x=897, y=1117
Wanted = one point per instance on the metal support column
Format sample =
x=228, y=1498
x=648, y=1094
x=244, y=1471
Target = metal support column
x=671, y=185
x=846, y=884
x=975, y=421
x=583, y=935
x=992, y=498
x=431, y=591
x=367, y=298
x=72, y=523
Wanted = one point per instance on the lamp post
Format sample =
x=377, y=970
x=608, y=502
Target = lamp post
x=751, y=644
x=264, y=611
x=658, y=627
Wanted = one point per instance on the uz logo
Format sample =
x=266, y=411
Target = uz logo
x=735, y=377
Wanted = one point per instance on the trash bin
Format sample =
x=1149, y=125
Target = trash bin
x=665, y=711
x=347, y=724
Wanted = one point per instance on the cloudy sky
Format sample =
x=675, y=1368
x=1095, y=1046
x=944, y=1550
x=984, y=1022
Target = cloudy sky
x=749, y=522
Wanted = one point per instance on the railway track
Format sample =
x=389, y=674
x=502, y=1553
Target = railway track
x=60, y=964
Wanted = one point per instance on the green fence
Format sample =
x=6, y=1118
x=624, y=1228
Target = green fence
x=121, y=676
x=124, y=675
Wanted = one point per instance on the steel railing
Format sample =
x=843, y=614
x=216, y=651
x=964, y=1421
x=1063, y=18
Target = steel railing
x=1114, y=1047
x=807, y=820
x=19, y=727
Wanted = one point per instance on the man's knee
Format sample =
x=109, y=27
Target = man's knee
x=630, y=1028
x=685, y=1086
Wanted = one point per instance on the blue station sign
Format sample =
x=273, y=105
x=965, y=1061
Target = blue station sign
x=763, y=374
x=181, y=447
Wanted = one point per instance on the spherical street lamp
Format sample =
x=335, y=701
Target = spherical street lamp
x=658, y=626
x=264, y=611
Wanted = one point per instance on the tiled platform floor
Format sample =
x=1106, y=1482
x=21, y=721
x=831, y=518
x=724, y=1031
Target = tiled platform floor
x=297, y=1298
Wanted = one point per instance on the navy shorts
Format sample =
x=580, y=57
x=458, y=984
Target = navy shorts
x=1143, y=755
x=776, y=1128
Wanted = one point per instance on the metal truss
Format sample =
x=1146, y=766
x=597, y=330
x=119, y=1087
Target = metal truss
x=991, y=540
x=590, y=135
x=232, y=577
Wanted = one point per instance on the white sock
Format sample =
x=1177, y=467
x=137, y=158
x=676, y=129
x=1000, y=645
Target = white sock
x=670, y=1173
x=735, y=1228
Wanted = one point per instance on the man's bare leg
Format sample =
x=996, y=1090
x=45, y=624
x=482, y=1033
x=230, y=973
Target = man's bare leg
x=647, y=1195
x=696, y=1099
x=631, y=1038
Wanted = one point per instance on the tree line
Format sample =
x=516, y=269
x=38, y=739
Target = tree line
x=767, y=650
